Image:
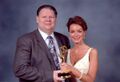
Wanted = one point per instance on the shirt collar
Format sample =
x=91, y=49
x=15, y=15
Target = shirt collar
x=45, y=35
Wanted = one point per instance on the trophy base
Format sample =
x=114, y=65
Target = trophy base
x=64, y=75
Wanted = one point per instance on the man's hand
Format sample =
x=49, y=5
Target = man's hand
x=55, y=76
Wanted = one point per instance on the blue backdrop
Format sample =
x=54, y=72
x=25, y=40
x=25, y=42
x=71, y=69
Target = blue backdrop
x=102, y=16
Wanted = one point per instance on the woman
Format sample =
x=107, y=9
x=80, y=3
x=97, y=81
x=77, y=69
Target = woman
x=82, y=59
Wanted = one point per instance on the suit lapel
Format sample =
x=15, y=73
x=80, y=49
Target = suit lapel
x=60, y=42
x=58, y=39
x=44, y=47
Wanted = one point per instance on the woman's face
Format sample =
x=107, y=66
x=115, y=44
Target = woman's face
x=77, y=33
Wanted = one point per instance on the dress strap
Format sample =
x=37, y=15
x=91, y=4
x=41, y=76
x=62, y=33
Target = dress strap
x=88, y=53
x=89, y=50
x=68, y=57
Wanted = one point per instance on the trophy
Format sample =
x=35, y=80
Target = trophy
x=63, y=54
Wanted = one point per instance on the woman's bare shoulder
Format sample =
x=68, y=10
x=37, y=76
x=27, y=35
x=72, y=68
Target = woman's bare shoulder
x=94, y=52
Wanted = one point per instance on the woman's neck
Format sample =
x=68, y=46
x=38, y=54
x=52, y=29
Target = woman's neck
x=79, y=45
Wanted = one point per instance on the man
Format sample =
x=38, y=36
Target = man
x=33, y=60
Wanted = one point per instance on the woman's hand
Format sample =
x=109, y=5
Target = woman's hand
x=66, y=68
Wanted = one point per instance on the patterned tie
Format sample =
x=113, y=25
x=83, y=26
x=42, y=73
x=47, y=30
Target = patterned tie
x=52, y=49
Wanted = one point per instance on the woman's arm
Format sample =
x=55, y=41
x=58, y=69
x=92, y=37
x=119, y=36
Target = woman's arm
x=91, y=75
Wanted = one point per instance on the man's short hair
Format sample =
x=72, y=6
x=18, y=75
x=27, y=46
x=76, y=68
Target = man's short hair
x=47, y=6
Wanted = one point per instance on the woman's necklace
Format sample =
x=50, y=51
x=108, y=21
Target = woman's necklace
x=75, y=56
x=78, y=53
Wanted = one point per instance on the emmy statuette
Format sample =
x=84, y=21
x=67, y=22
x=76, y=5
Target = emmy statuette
x=63, y=53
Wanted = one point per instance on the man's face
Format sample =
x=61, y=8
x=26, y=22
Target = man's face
x=46, y=20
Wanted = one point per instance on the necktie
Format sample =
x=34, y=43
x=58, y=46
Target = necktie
x=52, y=49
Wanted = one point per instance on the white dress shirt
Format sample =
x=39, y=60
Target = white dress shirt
x=45, y=35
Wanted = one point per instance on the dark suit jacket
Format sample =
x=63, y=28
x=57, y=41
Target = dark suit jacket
x=33, y=61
